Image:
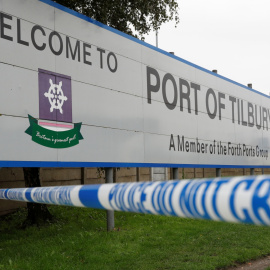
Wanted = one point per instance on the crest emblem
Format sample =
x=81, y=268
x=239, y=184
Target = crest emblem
x=54, y=128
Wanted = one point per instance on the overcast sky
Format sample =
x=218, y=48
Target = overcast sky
x=232, y=36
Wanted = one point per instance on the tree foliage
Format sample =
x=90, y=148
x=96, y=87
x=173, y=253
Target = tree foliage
x=134, y=17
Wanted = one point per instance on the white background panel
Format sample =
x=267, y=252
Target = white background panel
x=265, y=100
x=206, y=80
x=16, y=145
x=158, y=119
x=247, y=135
x=215, y=129
x=105, y=145
x=216, y=158
x=167, y=64
x=39, y=12
x=230, y=89
x=265, y=139
x=103, y=107
x=249, y=96
x=19, y=91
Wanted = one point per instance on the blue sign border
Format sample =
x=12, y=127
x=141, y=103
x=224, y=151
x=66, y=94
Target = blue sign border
x=69, y=164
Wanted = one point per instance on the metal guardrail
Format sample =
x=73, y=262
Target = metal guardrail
x=238, y=199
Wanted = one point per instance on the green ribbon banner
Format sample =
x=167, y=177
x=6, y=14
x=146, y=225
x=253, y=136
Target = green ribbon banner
x=54, y=139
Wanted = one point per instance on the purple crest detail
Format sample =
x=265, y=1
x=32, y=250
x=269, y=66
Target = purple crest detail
x=55, y=100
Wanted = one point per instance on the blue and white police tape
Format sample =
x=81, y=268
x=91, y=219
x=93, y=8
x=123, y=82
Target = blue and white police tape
x=238, y=199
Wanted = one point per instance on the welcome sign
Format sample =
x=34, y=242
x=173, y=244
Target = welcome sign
x=77, y=93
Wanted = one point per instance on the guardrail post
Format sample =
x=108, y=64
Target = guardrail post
x=175, y=173
x=137, y=174
x=110, y=213
x=83, y=175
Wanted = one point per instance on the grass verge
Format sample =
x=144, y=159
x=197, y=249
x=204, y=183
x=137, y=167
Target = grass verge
x=78, y=239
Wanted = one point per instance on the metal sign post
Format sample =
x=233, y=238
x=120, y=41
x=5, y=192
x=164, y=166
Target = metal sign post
x=110, y=213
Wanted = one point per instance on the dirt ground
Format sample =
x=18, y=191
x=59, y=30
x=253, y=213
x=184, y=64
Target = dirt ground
x=260, y=264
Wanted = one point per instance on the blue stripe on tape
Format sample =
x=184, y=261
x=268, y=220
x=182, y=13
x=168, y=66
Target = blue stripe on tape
x=261, y=201
x=28, y=195
x=5, y=194
x=88, y=196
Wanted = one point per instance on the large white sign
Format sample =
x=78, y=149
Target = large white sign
x=75, y=92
